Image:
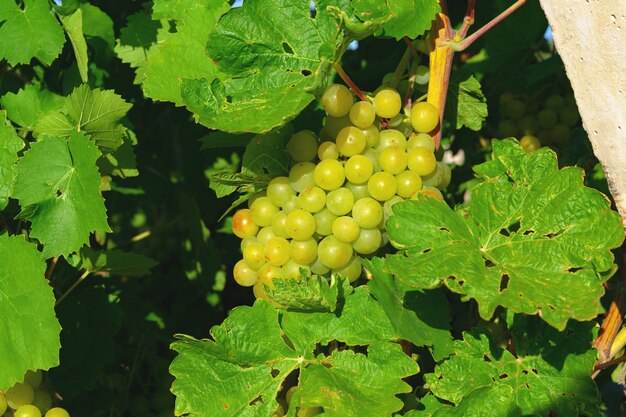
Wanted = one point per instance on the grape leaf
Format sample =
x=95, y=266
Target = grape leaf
x=309, y=294
x=114, y=262
x=58, y=189
x=466, y=104
x=255, y=350
x=27, y=316
x=10, y=145
x=97, y=113
x=31, y=32
x=73, y=25
x=136, y=40
x=419, y=317
x=26, y=106
x=122, y=162
x=532, y=239
x=97, y=24
x=550, y=374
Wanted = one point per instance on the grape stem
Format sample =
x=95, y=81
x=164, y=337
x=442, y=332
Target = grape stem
x=51, y=267
x=72, y=288
x=350, y=83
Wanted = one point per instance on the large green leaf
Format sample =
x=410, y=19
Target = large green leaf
x=10, y=145
x=26, y=106
x=73, y=25
x=532, y=239
x=27, y=319
x=31, y=32
x=241, y=371
x=58, y=188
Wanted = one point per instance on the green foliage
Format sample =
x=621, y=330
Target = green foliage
x=73, y=25
x=10, y=145
x=466, y=105
x=115, y=262
x=27, y=105
x=313, y=294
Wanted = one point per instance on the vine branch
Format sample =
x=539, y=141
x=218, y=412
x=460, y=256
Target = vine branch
x=348, y=81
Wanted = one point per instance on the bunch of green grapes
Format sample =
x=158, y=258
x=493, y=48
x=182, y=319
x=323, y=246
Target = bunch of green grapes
x=332, y=206
x=536, y=123
x=29, y=399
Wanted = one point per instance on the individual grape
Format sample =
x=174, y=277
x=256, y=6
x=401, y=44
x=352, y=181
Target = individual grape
x=406, y=128
x=408, y=183
x=337, y=100
x=242, y=224
x=396, y=121
x=507, y=128
x=313, y=199
x=317, y=267
x=57, y=412
x=447, y=176
x=555, y=102
x=362, y=114
x=19, y=394
x=265, y=234
x=382, y=186
x=358, y=169
x=289, y=394
x=391, y=138
x=33, y=378
x=28, y=410
x=291, y=204
x=247, y=241
x=254, y=197
x=3, y=403
x=547, y=118
x=392, y=160
x=368, y=242
x=327, y=150
x=424, y=117
x=569, y=116
x=346, y=229
x=367, y=212
x=429, y=191
x=359, y=191
x=530, y=143
x=333, y=253
x=279, y=191
x=262, y=211
x=329, y=174
x=527, y=125
x=244, y=275
x=324, y=222
x=303, y=252
x=259, y=289
x=277, y=251
x=387, y=103
x=302, y=146
x=434, y=178
x=340, y=201
x=254, y=255
x=421, y=161
x=335, y=124
x=300, y=224
x=350, y=141
x=293, y=270
x=267, y=273
x=560, y=133
x=421, y=139
x=372, y=136
x=352, y=270
x=422, y=75
x=373, y=155
x=279, y=224
x=515, y=109
x=301, y=176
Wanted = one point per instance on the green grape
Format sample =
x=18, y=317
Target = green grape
x=396, y=121
x=57, y=412
x=352, y=270
x=277, y=251
x=392, y=160
x=446, y=177
x=327, y=150
x=424, y=117
x=293, y=270
x=422, y=75
x=289, y=394
x=259, y=288
x=560, y=133
x=515, y=109
x=555, y=102
x=507, y=128
x=333, y=253
x=391, y=138
x=267, y=273
x=279, y=224
x=367, y=212
x=372, y=136
x=527, y=125
x=28, y=410
x=389, y=79
x=359, y=191
x=300, y=224
x=506, y=97
x=547, y=118
x=434, y=178
x=265, y=234
x=317, y=267
x=279, y=191
x=19, y=394
x=408, y=183
x=387, y=103
x=291, y=204
x=406, y=128
x=421, y=139
x=3, y=403
x=421, y=161
x=254, y=255
x=242, y=224
x=373, y=155
x=324, y=222
x=262, y=211
x=247, y=241
x=382, y=186
x=335, y=124
x=244, y=275
x=530, y=143
x=362, y=114
x=313, y=199
x=388, y=206
x=302, y=146
x=303, y=252
x=358, y=169
x=569, y=116
x=340, y=201
x=346, y=229
x=33, y=378
x=337, y=100
x=301, y=176
x=368, y=242
x=429, y=191
x=329, y=174
x=256, y=196
x=350, y=141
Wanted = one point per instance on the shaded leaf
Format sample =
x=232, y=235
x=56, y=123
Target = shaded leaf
x=10, y=145
x=73, y=25
x=113, y=262
x=26, y=106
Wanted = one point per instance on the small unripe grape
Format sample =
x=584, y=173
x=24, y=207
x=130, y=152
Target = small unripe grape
x=424, y=117
x=301, y=176
x=421, y=161
x=279, y=190
x=279, y=224
x=329, y=174
x=3, y=403
x=359, y=191
x=28, y=410
x=569, y=116
x=289, y=394
x=333, y=253
x=262, y=211
x=362, y=114
x=294, y=270
x=254, y=255
x=247, y=241
x=324, y=222
x=408, y=183
x=265, y=234
x=277, y=251
x=256, y=196
x=19, y=394
x=33, y=378
x=547, y=118
x=244, y=275
x=368, y=242
x=446, y=177
x=372, y=136
x=434, y=178
x=302, y=146
x=555, y=102
x=267, y=273
x=515, y=109
x=396, y=121
x=337, y=100
x=317, y=267
x=352, y=270
x=560, y=133
x=346, y=229
x=57, y=412
x=327, y=150
x=300, y=224
x=530, y=143
x=506, y=97
x=527, y=125
x=387, y=103
x=243, y=225
x=507, y=128
x=313, y=199
x=291, y=204
x=392, y=160
x=340, y=201
x=420, y=139
x=429, y=191
x=367, y=212
x=303, y=252
x=335, y=124
x=422, y=75
x=382, y=186
x=391, y=138
x=350, y=141
x=358, y=169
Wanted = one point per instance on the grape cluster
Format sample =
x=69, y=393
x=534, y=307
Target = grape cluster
x=333, y=205
x=29, y=399
x=538, y=123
